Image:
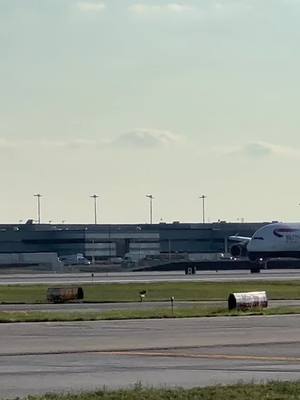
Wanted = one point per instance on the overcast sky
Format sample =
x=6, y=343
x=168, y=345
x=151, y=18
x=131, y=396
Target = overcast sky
x=175, y=98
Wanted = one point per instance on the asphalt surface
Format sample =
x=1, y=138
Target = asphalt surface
x=102, y=307
x=47, y=357
x=146, y=277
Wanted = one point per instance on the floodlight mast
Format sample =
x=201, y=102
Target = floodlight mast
x=203, y=197
x=95, y=197
x=150, y=197
x=38, y=196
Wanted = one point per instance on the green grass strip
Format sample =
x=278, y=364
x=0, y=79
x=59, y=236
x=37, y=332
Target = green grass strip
x=194, y=291
x=36, y=316
x=268, y=391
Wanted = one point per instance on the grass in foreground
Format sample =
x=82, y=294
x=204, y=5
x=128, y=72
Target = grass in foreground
x=35, y=316
x=114, y=292
x=268, y=391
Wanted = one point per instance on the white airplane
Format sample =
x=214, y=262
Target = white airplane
x=277, y=240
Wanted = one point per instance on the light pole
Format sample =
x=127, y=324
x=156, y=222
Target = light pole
x=150, y=197
x=203, y=197
x=38, y=196
x=95, y=197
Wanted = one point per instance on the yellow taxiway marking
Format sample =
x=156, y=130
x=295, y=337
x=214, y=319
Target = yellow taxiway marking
x=207, y=356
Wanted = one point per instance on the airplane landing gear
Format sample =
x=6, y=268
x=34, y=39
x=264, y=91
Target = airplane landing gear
x=258, y=264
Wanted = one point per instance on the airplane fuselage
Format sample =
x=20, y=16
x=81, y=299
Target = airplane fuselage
x=274, y=241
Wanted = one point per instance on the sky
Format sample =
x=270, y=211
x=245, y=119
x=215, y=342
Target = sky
x=123, y=98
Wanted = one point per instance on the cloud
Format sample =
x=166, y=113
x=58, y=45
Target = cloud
x=212, y=9
x=91, y=6
x=142, y=8
x=261, y=150
x=7, y=144
x=146, y=138
x=257, y=149
x=178, y=8
x=73, y=143
x=34, y=144
x=138, y=138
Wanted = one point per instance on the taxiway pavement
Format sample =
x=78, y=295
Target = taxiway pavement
x=45, y=357
x=147, y=277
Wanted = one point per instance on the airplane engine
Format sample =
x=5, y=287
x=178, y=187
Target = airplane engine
x=238, y=250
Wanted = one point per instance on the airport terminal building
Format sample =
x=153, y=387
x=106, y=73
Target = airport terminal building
x=104, y=242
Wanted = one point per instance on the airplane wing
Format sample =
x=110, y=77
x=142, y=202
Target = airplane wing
x=236, y=238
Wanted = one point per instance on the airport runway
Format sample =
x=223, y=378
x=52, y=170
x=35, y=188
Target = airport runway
x=44, y=357
x=102, y=307
x=146, y=277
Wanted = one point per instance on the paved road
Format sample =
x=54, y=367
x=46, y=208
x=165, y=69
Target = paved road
x=101, y=307
x=143, y=277
x=43, y=357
